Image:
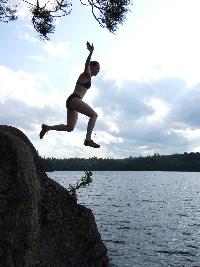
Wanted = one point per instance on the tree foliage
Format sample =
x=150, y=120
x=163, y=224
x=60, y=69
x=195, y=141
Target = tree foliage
x=108, y=13
x=7, y=12
x=175, y=162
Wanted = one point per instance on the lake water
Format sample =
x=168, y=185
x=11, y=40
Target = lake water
x=146, y=219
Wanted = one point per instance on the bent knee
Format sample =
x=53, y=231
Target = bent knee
x=70, y=129
x=94, y=115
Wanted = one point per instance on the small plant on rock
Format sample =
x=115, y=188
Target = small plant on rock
x=85, y=181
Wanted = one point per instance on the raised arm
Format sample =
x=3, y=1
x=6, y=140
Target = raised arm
x=90, y=47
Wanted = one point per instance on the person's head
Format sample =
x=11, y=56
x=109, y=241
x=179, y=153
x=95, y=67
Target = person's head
x=94, y=67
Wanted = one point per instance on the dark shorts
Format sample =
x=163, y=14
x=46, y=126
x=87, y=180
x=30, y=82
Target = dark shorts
x=70, y=98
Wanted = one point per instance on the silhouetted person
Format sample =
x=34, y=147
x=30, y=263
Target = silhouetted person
x=75, y=103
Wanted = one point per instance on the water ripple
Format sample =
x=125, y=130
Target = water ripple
x=144, y=218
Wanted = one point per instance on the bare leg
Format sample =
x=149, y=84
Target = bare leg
x=72, y=117
x=59, y=127
x=76, y=105
x=90, y=127
x=85, y=109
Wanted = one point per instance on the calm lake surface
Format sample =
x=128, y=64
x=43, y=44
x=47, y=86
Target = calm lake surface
x=146, y=219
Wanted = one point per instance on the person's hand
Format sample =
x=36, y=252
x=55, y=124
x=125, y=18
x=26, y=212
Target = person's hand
x=90, y=47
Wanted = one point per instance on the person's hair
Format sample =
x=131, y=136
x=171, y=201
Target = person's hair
x=94, y=63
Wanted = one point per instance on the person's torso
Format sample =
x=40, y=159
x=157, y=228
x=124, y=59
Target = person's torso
x=82, y=85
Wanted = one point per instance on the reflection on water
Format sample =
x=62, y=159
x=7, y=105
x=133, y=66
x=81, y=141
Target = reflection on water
x=144, y=218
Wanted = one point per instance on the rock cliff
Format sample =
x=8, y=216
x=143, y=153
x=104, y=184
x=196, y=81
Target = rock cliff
x=40, y=223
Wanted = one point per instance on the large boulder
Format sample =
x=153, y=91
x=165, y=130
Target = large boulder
x=40, y=222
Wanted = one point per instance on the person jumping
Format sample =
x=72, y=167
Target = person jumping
x=75, y=103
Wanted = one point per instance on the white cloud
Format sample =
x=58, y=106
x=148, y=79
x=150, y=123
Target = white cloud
x=150, y=112
x=65, y=145
x=189, y=133
x=28, y=100
x=26, y=36
x=160, y=107
x=59, y=49
x=161, y=128
x=162, y=43
x=38, y=58
x=106, y=138
x=31, y=88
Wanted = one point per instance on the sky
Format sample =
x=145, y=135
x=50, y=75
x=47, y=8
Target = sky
x=146, y=94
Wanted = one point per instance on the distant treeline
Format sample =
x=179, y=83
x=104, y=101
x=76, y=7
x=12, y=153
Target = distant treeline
x=175, y=162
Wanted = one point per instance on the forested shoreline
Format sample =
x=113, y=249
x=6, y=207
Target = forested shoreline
x=176, y=162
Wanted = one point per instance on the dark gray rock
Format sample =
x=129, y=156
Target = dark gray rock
x=40, y=223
